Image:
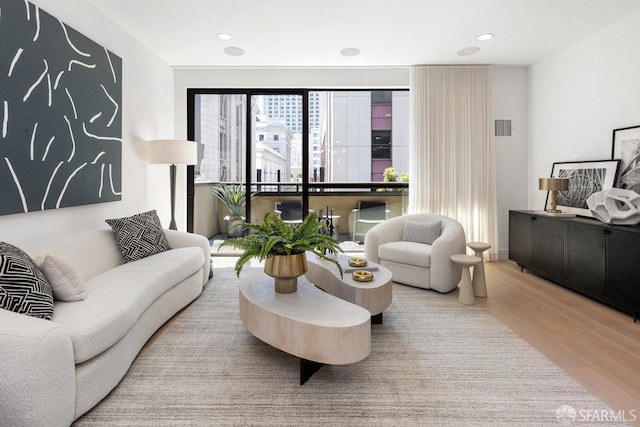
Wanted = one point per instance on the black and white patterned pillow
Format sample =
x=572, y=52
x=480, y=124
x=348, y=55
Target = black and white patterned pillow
x=23, y=287
x=139, y=236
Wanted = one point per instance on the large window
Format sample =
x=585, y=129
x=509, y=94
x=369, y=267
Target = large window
x=299, y=144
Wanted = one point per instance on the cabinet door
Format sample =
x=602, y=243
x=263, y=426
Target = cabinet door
x=521, y=238
x=585, y=257
x=548, y=247
x=623, y=278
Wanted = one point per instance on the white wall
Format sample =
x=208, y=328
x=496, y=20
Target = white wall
x=148, y=112
x=578, y=96
x=510, y=102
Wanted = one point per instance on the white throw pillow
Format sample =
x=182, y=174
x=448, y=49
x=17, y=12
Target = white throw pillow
x=66, y=281
x=422, y=232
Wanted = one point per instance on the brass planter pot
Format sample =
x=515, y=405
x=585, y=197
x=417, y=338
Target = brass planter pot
x=286, y=269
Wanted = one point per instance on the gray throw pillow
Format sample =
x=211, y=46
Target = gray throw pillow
x=421, y=232
x=23, y=287
x=139, y=236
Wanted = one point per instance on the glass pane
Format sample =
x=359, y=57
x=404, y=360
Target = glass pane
x=354, y=136
x=276, y=147
x=219, y=128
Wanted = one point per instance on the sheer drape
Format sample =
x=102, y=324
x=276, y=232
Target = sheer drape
x=452, y=146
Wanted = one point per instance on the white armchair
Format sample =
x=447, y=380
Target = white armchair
x=418, y=264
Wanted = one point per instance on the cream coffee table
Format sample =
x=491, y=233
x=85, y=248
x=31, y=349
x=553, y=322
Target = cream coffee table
x=313, y=325
x=375, y=295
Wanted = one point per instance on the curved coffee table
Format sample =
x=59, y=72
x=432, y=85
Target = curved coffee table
x=310, y=324
x=375, y=295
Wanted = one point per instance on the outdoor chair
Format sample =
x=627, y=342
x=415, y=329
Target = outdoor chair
x=290, y=211
x=365, y=216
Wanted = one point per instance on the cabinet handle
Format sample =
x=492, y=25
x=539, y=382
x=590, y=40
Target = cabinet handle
x=533, y=218
x=606, y=231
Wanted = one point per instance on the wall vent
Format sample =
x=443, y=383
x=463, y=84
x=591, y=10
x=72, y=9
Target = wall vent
x=503, y=127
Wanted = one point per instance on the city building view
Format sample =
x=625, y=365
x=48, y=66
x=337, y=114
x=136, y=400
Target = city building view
x=349, y=139
x=353, y=136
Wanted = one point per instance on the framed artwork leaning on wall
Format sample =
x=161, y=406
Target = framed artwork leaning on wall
x=585, y=178
x=626, y=147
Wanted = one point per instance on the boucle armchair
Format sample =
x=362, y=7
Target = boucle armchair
x=422, y=265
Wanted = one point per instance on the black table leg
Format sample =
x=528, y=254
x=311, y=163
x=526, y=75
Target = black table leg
x=307, y=369
x=376, y=319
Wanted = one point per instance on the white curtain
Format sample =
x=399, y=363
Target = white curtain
x=452, y=146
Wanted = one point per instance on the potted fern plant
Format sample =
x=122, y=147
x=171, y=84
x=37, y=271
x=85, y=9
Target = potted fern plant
x=284, y=248
x=234, y=196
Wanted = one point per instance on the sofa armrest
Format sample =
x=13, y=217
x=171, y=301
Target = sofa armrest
x=445, y=274
x=38, y=379
x=181, y=239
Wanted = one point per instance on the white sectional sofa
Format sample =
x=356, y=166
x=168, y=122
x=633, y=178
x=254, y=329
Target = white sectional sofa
x=55, y=371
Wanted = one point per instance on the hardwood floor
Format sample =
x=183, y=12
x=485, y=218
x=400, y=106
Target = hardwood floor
x=595, y=344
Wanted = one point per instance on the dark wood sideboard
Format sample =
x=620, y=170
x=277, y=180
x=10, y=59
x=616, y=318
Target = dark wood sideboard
x=595, y=259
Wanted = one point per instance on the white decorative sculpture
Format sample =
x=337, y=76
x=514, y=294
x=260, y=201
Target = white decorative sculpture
x=615, y=206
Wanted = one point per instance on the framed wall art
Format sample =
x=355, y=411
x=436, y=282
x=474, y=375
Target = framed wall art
x=626, y=147
x=60, y=114
x=585, y=178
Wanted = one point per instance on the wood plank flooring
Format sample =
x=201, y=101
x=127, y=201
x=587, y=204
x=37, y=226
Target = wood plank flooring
x=595, y=344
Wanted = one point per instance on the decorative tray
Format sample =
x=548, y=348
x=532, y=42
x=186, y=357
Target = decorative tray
x=362, y=276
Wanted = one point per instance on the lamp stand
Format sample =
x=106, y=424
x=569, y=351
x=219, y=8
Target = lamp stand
x=553, y=202
x=172, y=177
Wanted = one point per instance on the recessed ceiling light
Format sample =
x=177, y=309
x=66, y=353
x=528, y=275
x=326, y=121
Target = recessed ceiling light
x=467, y=51
x=485, y=36
x=225, y=36
x=350, y=51
x=234, y=51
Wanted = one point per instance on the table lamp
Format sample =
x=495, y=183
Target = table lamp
x=553, y=185
x=172, y=152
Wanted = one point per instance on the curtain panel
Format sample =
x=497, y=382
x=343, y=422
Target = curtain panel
x=452, y=142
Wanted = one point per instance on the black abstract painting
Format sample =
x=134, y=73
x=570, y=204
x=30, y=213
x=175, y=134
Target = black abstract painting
x=60, y=114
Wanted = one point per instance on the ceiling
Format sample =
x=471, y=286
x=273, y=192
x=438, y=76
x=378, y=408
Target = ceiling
x=308, y=33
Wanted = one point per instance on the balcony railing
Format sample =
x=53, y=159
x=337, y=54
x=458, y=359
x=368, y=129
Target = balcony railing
x=332, y=187
x=340, y=198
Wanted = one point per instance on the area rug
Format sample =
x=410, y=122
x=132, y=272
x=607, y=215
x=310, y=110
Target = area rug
x=433, y=362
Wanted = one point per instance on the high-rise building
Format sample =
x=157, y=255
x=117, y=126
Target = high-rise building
x=276, y=135
x=365, y=133
x=289, y=108
x=220, y=134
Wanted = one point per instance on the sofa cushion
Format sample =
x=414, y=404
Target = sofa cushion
x=139, y=236
x=66, y=281
x=117, y=298
x=23, y=287
x=411, y=253
x=421, y=232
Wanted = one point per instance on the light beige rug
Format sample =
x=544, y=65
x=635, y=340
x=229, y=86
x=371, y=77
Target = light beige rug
x=433, y=362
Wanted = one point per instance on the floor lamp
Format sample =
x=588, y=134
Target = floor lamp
x=173, y=152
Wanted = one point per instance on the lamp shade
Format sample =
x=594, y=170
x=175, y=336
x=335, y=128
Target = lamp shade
x=172, y=151
x=553, y=184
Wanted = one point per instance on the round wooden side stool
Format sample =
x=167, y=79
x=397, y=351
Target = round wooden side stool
x=466, y=294
x=479, y=282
